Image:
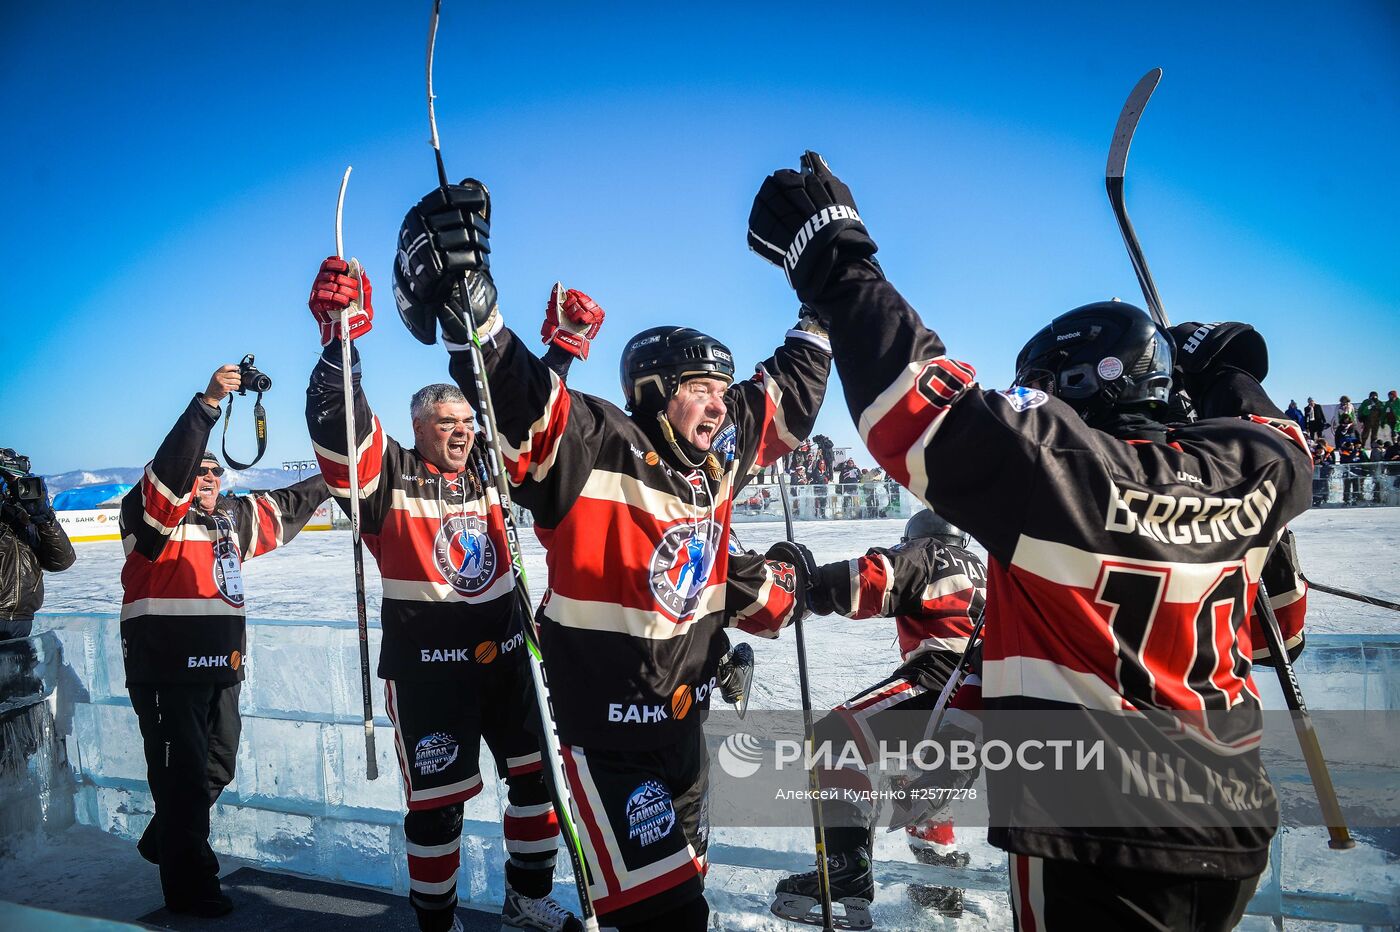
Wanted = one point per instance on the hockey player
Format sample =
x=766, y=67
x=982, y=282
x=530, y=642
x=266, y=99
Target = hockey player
x=452, y=658
x=1124, y=557
x=183, y=636
x=634, y=509
x=935, y=588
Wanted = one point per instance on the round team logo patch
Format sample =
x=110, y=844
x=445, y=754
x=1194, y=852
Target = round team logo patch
x=235, y=660
x=466, y=556
x=434, y=753
x=485, y=652
x=680, y=566
x=1110, y=368
x=650, y=814
x=727, y=443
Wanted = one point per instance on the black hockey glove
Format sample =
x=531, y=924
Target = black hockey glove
x=1205, y=351
x=820, y=600
x=806, y=223
x=735, y=677
x=444, y=237
x=804, y=567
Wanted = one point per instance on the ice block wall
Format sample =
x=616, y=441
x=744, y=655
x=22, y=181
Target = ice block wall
x=300, y=800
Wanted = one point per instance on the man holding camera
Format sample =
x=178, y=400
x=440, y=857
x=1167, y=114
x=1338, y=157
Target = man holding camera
x=183, y=635
x=31, y=541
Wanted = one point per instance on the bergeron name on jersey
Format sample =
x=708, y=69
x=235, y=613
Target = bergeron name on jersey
x=1190, y=519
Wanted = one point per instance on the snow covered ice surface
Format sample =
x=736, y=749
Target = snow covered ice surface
x=300, y=801
x=309, y=579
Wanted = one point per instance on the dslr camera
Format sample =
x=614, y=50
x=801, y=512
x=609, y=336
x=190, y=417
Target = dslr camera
x=22, y=487
x=251, y=378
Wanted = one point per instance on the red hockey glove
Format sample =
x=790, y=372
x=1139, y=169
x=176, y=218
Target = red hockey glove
x=571, y=320
x=337, y=287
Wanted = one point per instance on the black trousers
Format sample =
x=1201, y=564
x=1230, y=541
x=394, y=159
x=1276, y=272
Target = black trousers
x=190, y=733
x=1047, y=896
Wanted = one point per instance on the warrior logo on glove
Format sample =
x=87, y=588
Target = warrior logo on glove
x=806, y=222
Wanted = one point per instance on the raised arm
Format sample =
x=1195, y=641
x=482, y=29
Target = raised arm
x=267, y=520
x=339, y=287
x=442, y=279
x=776, y=409
x=157, y=504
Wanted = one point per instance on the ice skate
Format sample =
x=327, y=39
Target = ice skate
x=537, y=915
x=932, y=842
x=946, y=900
x=798, y=897
x=954, y=859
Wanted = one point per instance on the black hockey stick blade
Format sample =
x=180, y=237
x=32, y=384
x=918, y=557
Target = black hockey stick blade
x=1128, y=121
x=1113, y=179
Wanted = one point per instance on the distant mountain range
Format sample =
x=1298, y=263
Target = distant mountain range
x=256, y=478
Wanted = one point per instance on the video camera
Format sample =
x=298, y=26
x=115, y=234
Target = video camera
x=21, y=486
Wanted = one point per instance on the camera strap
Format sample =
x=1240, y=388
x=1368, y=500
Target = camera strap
x=259, y=429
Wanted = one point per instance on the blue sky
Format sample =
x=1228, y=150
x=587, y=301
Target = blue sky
x=170, y=180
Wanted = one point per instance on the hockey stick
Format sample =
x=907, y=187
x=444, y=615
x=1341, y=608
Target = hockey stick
x=1354, y=596
x=1288, y=680
x=959, y=673
x=909, y=815
x=563, y=803
x=1113, y=180
x=1337, y=834
x=809, y=734
x=353, y=462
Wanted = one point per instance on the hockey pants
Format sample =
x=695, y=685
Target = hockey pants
x=190, y=733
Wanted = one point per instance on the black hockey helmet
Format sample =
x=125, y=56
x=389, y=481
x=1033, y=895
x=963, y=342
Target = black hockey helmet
x=658, y=360
x=926, y=523
x=1100, y=357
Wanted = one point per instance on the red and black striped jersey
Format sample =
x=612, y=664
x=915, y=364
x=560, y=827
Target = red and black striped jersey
x=439, y=539
x=761, y=594
x=636, y=542
x=933, y=590
x=1288, y=595
x=1120, y=573
x=182, y=615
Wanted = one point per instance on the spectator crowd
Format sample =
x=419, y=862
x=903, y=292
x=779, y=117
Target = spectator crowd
x=1360, y=435
x=831, y=481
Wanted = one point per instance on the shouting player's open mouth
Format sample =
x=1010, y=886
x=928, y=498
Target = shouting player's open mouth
x=705, y=434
